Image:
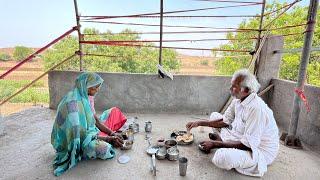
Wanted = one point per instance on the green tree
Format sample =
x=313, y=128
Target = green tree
x=5, y=57
x=21, y=52
x=115, y=59
x=65, y=48
x=290, y=62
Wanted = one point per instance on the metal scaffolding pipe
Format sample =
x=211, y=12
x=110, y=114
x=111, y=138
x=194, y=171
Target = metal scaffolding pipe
x=161, y=33
x=80, y=37
x=259, y=35
x=312, y=14
x=161, y=30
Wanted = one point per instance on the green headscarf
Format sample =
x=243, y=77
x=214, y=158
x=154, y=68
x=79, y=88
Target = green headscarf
x=74, y=127
x=87, y=80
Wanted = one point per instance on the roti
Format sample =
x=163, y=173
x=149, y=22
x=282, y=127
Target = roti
x=185, y=138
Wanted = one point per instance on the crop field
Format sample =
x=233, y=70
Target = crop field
x=38, y=94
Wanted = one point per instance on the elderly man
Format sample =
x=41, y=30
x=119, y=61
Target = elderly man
x=249, y=140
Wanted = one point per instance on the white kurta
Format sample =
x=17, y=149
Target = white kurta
x=252, y=123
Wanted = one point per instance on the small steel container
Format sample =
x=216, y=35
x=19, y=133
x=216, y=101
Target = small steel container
x=148, y=126
x=170, y=143
x=161, y=153
x=134, y=127
x=127, y=145
x=129, y=133
x=173, y=154
x=160, y=142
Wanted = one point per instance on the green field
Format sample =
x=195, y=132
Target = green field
x=37, y=93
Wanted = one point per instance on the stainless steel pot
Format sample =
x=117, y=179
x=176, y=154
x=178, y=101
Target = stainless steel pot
x=127, y=145
x=148, y=126
x=173, y=154
x=161, y=153
x=170, y=143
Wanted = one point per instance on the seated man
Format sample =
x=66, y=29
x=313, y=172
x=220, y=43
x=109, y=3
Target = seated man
x=249, y=138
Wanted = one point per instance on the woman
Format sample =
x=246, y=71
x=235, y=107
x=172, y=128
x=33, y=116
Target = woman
x=74, y=135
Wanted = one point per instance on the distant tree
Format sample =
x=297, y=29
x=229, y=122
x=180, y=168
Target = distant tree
x=21, y=52
x=5, y=57
x=117, y=59
x=290, y=62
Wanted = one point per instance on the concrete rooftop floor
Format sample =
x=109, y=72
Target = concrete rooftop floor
x=26, y=153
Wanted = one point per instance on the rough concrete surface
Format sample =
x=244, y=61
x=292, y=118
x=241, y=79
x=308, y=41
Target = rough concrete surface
x=26, y=153
x=281, y=102
x=148, y=93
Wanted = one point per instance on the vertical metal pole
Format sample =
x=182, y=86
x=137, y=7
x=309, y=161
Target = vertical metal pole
x=161, y=24
x=80, y=37
x=312, y=14
x=259, y=36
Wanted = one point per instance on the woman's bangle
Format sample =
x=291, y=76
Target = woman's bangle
x=112, y=134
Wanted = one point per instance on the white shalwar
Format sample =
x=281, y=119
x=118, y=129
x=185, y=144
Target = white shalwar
x=252, y=123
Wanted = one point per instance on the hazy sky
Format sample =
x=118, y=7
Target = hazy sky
x=34, y=23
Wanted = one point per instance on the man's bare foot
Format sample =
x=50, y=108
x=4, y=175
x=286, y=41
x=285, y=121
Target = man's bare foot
x=203, y=150
x=215, y=137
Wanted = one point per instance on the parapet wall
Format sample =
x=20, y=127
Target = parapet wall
x=281, y=102
x=143, y=93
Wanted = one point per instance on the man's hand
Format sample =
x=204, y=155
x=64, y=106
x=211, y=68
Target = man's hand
x=208, y=145
x=191, y=125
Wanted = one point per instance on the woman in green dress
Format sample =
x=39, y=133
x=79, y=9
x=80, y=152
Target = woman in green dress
x=75, y=134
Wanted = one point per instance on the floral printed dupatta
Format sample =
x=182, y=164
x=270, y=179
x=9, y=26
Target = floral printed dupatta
x=74, y=134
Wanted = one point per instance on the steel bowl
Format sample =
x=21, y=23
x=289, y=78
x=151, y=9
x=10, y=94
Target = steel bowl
x=161, y=153
x=170, y=143
x=172, y=154
x=126, y=145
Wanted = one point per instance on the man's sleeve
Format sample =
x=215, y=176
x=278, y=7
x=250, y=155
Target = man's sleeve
x=229, y=114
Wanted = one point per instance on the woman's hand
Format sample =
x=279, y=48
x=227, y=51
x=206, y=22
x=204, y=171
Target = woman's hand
x=114, y=140
x=117, y=135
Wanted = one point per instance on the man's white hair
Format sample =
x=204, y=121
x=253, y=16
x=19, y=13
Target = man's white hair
x=249, y=80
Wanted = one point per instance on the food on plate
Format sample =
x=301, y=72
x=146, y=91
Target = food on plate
x=185, y=137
